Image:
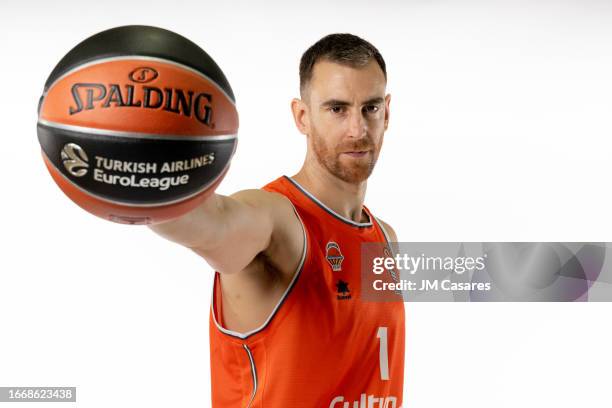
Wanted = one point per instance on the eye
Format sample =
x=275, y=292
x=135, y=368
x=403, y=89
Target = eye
x=371, y=108
x=337, y=109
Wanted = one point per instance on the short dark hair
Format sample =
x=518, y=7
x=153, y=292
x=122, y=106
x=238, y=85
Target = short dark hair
x=347, y=49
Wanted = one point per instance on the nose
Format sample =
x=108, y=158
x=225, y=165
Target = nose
x=357, y=126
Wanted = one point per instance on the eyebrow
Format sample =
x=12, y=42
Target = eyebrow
x=337, y=102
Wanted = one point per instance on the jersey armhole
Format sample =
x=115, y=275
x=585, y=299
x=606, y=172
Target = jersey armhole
x=296, y=275
x=384, y=231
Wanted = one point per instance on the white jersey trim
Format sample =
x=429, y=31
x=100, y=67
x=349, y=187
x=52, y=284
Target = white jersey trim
x=329, y=210
x=253, y=374
x=281, y=300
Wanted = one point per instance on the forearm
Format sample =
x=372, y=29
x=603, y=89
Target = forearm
x=200, y=227
x=229, y=231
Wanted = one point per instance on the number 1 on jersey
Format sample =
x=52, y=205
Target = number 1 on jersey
x=383, y=354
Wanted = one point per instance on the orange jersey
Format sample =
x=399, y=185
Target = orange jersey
x=322, y=346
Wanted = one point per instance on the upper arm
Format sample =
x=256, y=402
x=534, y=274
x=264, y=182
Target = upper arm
x=390, y=231
x=392, y=236
x=253, y=222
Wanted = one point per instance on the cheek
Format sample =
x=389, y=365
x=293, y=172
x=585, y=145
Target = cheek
x=318, y=139
x=327, y=134
x=329, y=128
x=377, y=128
x=377, y=121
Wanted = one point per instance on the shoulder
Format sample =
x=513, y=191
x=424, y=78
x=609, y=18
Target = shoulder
x=275, y=206
x=288, y=235
x=257, y=196
x=262, y=198
x=391, y=235
x=390, y=231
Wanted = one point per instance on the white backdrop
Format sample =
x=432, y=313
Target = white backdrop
x=500, y=131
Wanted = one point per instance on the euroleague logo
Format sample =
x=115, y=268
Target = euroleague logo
x=75, y=159
x=188, y=103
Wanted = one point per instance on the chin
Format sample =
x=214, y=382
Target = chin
x=354, y=175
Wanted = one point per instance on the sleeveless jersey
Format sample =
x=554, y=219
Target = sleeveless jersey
x=321, y=346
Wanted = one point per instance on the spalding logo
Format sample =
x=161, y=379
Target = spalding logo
x=75, y=159
x=142, y=75
x=88, y=96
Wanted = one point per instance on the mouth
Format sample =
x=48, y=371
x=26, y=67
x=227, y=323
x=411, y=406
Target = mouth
x=357, y=153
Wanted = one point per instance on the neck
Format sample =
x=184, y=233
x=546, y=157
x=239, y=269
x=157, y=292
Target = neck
x=346, y=199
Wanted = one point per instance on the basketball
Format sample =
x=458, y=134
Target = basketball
x=137, y=125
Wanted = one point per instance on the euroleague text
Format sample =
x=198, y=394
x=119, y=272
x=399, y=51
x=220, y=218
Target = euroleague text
x=128, y=170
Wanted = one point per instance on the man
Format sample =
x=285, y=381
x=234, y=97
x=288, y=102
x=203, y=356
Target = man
x=287, y=325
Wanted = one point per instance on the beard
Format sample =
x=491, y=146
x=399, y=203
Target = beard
x=349, y=170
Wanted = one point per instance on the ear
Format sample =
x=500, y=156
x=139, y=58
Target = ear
x=387, y=102
x=300, y=115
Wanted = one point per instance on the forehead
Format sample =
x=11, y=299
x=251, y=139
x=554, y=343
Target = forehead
x=333, y=80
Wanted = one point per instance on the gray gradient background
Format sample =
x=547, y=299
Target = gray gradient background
x=515, y=271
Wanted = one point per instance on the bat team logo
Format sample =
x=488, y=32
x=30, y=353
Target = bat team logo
x=334, y=256
x=344, y=292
